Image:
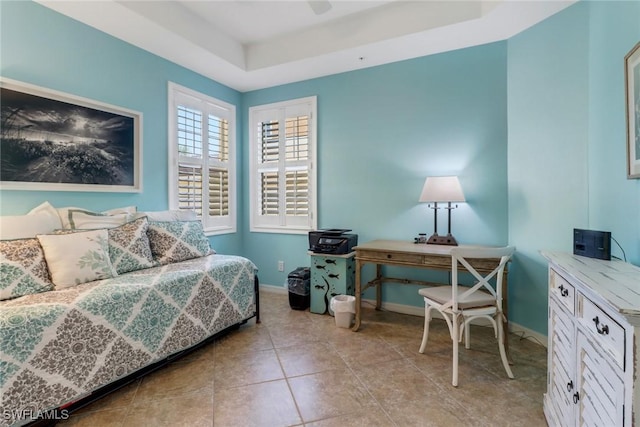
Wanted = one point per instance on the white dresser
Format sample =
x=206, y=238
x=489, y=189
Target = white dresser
x=594, y=323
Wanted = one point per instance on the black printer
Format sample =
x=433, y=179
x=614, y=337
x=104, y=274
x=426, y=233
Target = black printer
x=333, y=241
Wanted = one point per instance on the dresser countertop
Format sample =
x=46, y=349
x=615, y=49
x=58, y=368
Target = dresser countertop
x=617, y=282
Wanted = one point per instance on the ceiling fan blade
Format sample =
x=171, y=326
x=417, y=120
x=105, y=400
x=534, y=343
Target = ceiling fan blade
x=319, y=6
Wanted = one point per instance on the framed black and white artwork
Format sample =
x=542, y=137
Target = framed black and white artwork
x=51, y=140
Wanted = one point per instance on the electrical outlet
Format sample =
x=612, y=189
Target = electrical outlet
x=280, y=265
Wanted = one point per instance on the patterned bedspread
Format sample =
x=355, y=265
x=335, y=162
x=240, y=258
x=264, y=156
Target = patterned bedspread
x=58, y=346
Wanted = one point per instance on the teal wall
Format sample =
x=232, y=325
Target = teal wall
x=534, y=126
x=548, y=131
x=41, y=47
x=381, y=132
x=614, y=201
x=567, y=152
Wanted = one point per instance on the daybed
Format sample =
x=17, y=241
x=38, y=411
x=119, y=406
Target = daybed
x=61, y=342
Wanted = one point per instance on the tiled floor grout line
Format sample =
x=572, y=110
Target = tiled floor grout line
x=370, y=393
x=438, y=386
x=131, y=403
x=333, y=347
x=410, y=361
x=215, y=344
x=286, y=378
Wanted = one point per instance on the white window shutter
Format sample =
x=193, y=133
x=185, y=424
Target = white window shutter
x=190, y=188
x=202, y=158
x=218, y=192
x=282, y=152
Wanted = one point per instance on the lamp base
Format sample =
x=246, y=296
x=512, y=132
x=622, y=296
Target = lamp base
x=442, y=240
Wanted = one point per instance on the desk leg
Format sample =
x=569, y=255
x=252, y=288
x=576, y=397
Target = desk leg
x=378, y=286
x=358, y=295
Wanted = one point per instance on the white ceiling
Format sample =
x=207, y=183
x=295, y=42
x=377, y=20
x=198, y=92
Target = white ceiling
x=250, y=45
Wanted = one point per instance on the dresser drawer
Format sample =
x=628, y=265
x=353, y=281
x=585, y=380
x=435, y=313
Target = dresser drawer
x=564, y=292
x=605, y=331
x=391, y=257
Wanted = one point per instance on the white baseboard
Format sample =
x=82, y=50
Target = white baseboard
x=274, y=289
x=514, y=328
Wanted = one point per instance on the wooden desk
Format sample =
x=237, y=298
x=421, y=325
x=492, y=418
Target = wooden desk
x=408, y=254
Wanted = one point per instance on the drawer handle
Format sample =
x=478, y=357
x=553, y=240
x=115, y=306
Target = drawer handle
x=563, y=291
x=389, y=256
x=602, y=331
x=576, y=397
x=570, y=386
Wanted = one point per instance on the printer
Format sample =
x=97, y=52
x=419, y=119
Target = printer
x=335, y=241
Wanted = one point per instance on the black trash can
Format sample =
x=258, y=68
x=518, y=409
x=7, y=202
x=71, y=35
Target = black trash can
x=299, y=282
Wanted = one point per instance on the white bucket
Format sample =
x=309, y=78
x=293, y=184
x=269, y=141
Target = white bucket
x=344, y=309
x=344, y=320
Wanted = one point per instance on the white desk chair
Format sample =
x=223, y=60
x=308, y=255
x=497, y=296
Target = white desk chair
x=460, y=305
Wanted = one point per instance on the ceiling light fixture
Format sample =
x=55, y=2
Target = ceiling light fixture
x=319, y=6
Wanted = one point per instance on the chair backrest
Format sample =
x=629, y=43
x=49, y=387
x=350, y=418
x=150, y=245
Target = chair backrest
x=463, y=255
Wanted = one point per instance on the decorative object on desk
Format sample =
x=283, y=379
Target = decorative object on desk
x=632, y=80
x=442, y=189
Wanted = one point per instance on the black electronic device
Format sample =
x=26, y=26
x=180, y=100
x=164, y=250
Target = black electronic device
x=592, y=244
x=335, y=241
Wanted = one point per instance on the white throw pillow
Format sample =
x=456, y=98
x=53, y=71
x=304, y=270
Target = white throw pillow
x=40, y=220
x=63, y=213
x=47, y=208
x=77, y=257
x=86, y=220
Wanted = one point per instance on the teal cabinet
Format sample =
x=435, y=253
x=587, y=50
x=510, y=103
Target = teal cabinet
x=330, y=275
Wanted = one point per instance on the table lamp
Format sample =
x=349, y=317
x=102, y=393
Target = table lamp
x=442, y=189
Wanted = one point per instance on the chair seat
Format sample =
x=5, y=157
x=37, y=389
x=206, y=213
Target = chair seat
x=442, y=294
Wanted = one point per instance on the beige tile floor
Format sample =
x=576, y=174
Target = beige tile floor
x=298, y=369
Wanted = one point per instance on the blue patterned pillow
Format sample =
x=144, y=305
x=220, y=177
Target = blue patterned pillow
x=174, y=241
x=129, y=248
x=23, y=269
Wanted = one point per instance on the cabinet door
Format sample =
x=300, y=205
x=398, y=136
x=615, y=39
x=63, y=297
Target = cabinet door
x=600, y=387
x=320, y=286
x=330, y=276
x=561, y=383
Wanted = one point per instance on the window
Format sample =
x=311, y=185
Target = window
x=283, y=178
x=202, y=158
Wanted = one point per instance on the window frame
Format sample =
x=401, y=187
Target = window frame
x=207, y=105
x=281, y=111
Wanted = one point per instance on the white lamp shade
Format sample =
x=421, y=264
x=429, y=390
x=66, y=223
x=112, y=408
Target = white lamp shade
x=442, y=189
